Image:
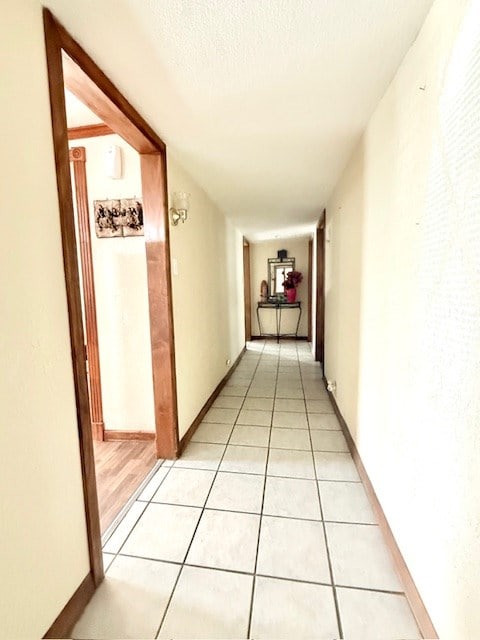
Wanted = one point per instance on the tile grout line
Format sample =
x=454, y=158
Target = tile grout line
x=147, y=503
x=183, y=564
x=263, y=575
x=259, y=446
x=258, y=513
x=250, y=473
x=329, y=560
x=261, y=508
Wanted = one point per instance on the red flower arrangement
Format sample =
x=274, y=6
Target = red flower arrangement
x=292, y=280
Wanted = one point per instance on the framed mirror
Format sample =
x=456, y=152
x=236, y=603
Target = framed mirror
x=277, y=270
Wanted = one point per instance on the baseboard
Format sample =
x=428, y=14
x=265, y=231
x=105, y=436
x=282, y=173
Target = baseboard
x=194, y=426
x=414, y=598
x=111, y=434
x=280, y=338
x=71, y=612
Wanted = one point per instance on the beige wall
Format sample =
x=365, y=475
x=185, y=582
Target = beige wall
x=403, y=309
x=260, y=252
x=121, y=292
x=43, y=546
x=207, y=296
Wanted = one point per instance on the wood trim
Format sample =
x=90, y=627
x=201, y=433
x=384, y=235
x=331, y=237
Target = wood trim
x=195, y=424
x=247, y=292
x=155, y=211
x=70, y=613
x=90, y=85
x=53, y=44
x=87, y=81
x=414, y=598
x=89, y=131
x=111, y=435
x=78, y=158
x=320, y=291
x=98, y=427
x=310, y=287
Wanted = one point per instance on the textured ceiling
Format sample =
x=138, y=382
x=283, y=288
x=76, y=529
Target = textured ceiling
x=263, y=102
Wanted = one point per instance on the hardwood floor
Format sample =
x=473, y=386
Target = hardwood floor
x=120, y=468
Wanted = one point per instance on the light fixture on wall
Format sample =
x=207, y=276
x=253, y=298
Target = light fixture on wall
x=180, y=206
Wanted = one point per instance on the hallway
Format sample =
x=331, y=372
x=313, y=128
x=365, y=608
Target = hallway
x=262, y=529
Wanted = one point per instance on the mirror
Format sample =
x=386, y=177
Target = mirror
x=277, y=270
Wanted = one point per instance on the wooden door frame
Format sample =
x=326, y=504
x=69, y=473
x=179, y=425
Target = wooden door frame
x=247, y=290
x=320, y=290
x=86, y=80
x=78, y=158
x=310, y=287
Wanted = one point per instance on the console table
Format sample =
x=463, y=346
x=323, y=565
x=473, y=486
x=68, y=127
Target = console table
x=279, y=307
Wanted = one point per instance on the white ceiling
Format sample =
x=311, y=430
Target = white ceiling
x=262, y=101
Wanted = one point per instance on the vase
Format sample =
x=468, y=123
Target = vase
x=291, y=294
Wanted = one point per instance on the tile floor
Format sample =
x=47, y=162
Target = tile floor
x=261, y=530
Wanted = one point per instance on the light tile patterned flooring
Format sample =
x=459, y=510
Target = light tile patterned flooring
x=261, y=530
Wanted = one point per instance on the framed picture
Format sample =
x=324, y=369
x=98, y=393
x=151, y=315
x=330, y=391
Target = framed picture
x=118, y=218
x=132, y=214
x=108, y=220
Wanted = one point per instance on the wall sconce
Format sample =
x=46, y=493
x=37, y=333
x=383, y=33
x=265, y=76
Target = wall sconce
x=180, y=206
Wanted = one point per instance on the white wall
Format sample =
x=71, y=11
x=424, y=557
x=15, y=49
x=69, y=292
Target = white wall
x=207, y=296
x=403, y=310
x=121, y=292
x=43, y=544
x=260, y=252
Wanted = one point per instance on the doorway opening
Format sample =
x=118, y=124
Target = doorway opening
x=247, y=292
x=106, y=183
x=320, y=291
x=70, y=66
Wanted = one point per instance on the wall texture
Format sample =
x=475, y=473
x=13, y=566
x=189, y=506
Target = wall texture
x=43, y=545
x=207, y=278
x=121, y=292
x=403, y=309
x=260, y=252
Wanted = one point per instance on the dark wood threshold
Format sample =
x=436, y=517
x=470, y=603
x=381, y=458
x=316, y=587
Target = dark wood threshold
x=274, y=338
x=112, y=434
x=193, y=427
x=120, y=466
x=71, y=612
x=414, y=598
